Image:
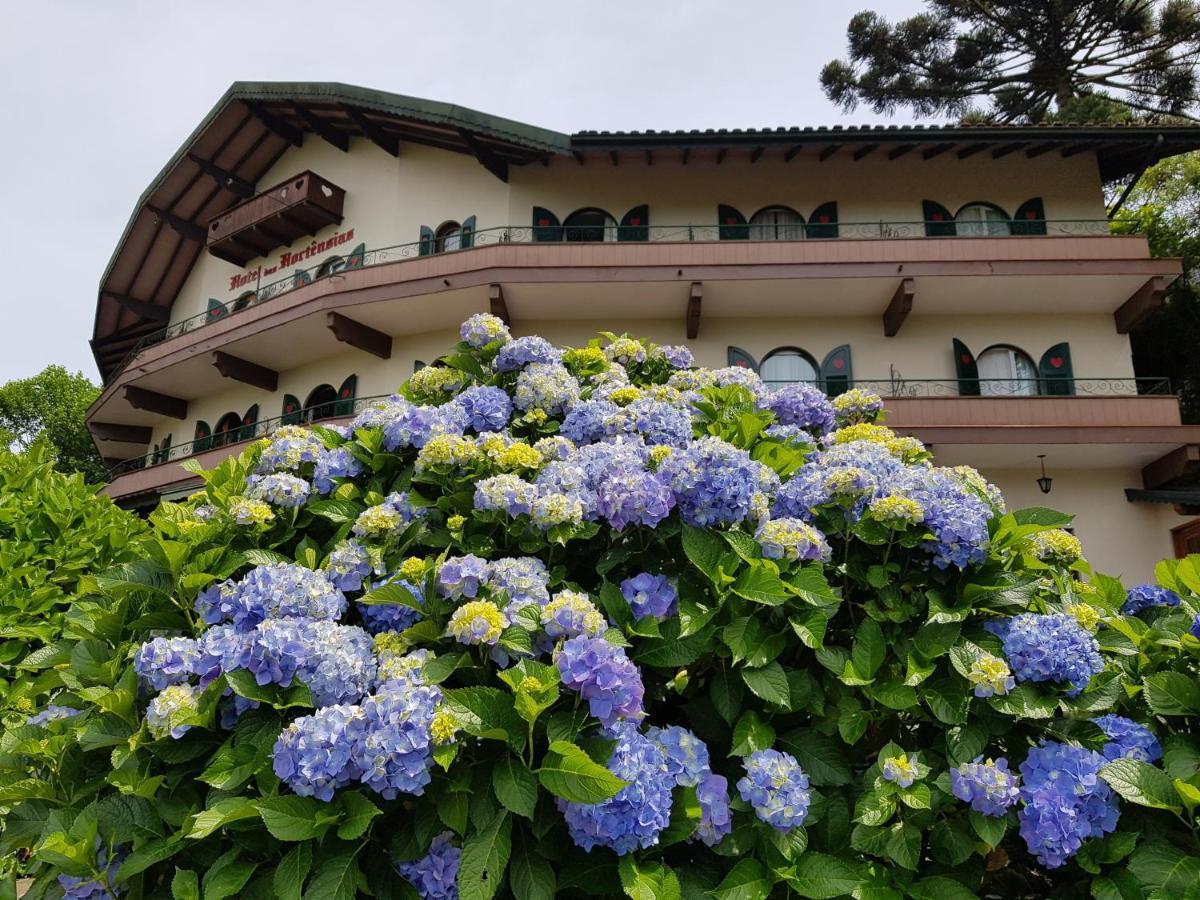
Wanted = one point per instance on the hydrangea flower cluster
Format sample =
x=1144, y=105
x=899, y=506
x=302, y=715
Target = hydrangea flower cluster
x=990, y=675
x=715, y=818
x=803, y=407
x=603, y=676
x=435, y=875
x=280, y=590
x=650, y=595
x=901, y=770
x=570, y=614
x=336, y=462
x=483, y=329
x=52, y=713
x=165, y=661
x=791, y=539
x=1053, y=647
x=1128, y=739
x=857, y=406
x=1065, y=801
x=1056, y=546
x=1148, y=596
x=687, y=756
x=777, y=788
x=988, y=786
x=477, y=622
x=279, y=489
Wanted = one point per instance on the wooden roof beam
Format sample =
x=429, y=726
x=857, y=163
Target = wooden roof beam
x=323, y=129
x=864, y=151
x=1182, y=462
x=1034, y=152
x=1144, y=301
x=793, y=153
x=901, y=150
x=721, y=155
x=225, y=180
x=687, y=153
x=937, y=150
x=189, y=230
x=499, y=308
x=356, y=334
x=153, y=401
x=274, y=123
x=1075, y=150
x=486, y=157
x=828, y=152
x=971, y=151
x=1001, y=152
x=758, y=152
x=382, y=139
x=245, y=371
x=151, y=311
x=121, y=434
x=900, y=306
x=695, y=297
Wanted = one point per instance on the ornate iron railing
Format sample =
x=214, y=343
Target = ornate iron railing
x=901, y=388
x=510, y=234
x=262, y=428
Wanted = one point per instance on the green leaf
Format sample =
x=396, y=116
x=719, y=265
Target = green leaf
x=484, y=858
x=221, y=813
x=291, y=818
x=823, y=877
x=392, y=594
x=226, y=876
x=1157, y=864
x=487, y=712
x=869, y=649
x=761, y=586
x=819, y=755
x=335, y=879
x=751, y=734
x=904, y=845
x=185, y=885
x=726, y=693
x=244, y=685
x=515, y=786
x=990, y=829
x=529, y=875
x=770, y=683
x=750, y=641
x=704, y=550
x=941, y=887
x=1172, y=694
x=359, y=811
x=1181, y=756
x=646, y=880
x=810, y=625
x=1040, y=515
x=336, y=511
x=1025, y=702
x=289, y=875
x=1141, y=783
x=568, y=772
x=264, y=558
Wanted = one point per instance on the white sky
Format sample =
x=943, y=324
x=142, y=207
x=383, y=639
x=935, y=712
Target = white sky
x=99, y=93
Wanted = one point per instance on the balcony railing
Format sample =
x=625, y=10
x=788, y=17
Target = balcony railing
x=262, y=428
x=298, y=278
x=896, y=388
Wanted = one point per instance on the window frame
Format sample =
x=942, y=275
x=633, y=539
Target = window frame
x=327, y=409
x=799, y=226
x=817, y=381
x=223, y=437
x=1034, y=382
x=959, y=224
x=610, y=228
x=447, y=230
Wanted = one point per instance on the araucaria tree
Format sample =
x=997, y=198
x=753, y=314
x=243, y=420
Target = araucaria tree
x=1022, y=60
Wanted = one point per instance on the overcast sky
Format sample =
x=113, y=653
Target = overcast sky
x=98, y=95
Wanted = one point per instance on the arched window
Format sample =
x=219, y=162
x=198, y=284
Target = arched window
x=243, y=300
x=321, y=403
x=330, y=265
x=448, y=237
x=1006, y=372
x=788, y=365
x=982, y=220
x=591, y=225
x=228, y=430
x=776, y=223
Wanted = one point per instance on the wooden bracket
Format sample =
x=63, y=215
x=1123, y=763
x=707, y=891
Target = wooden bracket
x=693, y=310
x=283, y=129
x=245, y=371
x=499, y=307
x=151, y=311
x=188, y=229
x=124, y=434
x=386, y=142
x=356, y=334
x=486, y=157
x=153, y=401
x=323, y=129
x=900, y=306
x=1144, y=301
x=223, y=179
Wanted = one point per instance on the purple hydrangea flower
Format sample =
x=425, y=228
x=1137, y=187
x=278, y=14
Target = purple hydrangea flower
x=380, y=617
x=1065, y=801
x=677, y=356
x=633, y=497
x=802, y=406
x=523, y=351
x=715, y=818
x=1146, y=596
x=687, y=756
x=273, y=591
x=413, y=426
x=777, y=788
x=1195, y=629
x=1128, y=739
x=52, y=713
x=222, y=648
x=163, y=661
x=279, y=489
x=435, y=875
x=713, y=482
x=348, y=565
x=462, y=576
x=394, y=756
x=88, y=887
x=584, y=421
x=989, y=786
x=650, y=595
x=603, y=676
x=316, y=754
x=523, y=578
x=337, y=462
x=1051, y=647
x=487, y=408
x=482, y=329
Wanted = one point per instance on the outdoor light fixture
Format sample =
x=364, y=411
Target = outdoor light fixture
x=1045, y=481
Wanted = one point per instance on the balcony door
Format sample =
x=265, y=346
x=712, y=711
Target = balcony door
x=1006, y=372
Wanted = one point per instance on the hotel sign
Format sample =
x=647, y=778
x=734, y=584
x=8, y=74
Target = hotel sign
x=288, y=259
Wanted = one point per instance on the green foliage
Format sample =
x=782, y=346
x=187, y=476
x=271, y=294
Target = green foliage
x=1022, y=60
x=48, y=410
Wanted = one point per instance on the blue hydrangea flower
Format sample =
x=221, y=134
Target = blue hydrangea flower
x=791, y=539
x=633, y=818
x=1195, y=629
x=742, y=377
x=462, y=576
x=956, y=513
x=87, y=887
x=163, y=661
x=802, y=406
x=713, y=482
x=291, y=448
x=482, y=329
x=435, y=875
x=222, y=648
x=337, y=662
x=273, y=591
x=380, y=617
x=394, y=756
x=487, y=408
x=570, y=614
x=657, y=422
x=846, y=476
x=1065, y=801
x=348, y=565
x=687, y=756
x=413, y=426
x=337, y=462
x=317, y=754
x=901, y=770
x=168, y=709
x=633, y=497
x=989, y=786
x=52, y=713
x=777, y=788
x=715, y=818
x=524, y=351
x=584, y=421
x=603, y=676
x=1128, y=739
x=507, y=493
x=523, y=578
x=677, y=356
x=279, y=489
x=545, y=386
x=1052, y=647
x=1146, y=596
x=650, y=595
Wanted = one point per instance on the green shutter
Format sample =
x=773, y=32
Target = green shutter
x=736, y=356
x=967, y=370
x=203, y=438
x=357, y=257
x=345, y=400
x=300, y=278
x=938, y=220
x=468, y=232
x=546, y=226
x=426, y=244
x=249, y=421
x=635, y=225
x=823, y=222
x=291, y=410
x=164, y=450
x=731, y=224
x=1054, y=370
x=216, y=310
x=1030, y=218
x=837, y=375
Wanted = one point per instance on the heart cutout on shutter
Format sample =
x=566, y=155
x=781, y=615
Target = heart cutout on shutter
x=839, y=363
x=966, y=360
x=1056, y=361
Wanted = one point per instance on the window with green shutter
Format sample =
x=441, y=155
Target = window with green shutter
x=736, y=356
x=635, y=224
x=1055, y=372
x=249, y=422
x=216, y=310
x=967, y=370
x=1030, y=218
x=203, y=437
x=823, y=223
x=468, y=232
x=291, y=410
x=345, y=400
x=357, y=257
x=731, y=224
x=938, y=221
x=426, y=244
x=301, y=278
x=837, y=374
x=546, y=226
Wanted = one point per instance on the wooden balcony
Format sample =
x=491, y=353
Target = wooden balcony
x=277, y=217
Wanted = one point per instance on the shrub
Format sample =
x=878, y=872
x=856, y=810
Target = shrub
x=593, y=622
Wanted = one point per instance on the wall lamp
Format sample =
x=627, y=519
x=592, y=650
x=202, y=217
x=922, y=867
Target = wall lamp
x=1045, y=481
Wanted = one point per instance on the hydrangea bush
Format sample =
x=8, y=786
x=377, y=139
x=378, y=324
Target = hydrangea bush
x=594, y=621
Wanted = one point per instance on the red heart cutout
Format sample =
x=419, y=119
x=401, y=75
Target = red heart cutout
x=839, y=364
x=823, y=219
x=346, y=392
x=936, y=217
x=1031, y=215
x=635, y=221
x=731, y=221
x=966, y=359
x=543, y=222
x=1056, y=361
